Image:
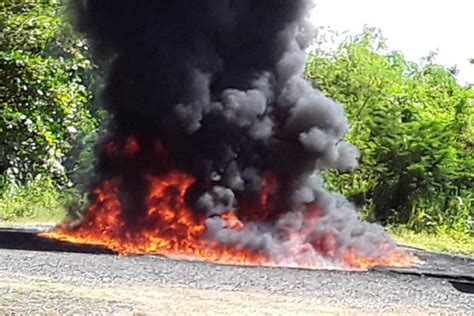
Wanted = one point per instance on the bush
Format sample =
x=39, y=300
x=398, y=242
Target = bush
x=40, y=200
x=44, y=91
x=413, y=125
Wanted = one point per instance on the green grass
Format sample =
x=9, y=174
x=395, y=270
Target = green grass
x=37, y=202
x=442, y=241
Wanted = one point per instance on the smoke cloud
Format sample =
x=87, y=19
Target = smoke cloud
x=221, y=85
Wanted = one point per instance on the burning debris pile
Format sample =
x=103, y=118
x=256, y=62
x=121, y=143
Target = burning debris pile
x=215, y=136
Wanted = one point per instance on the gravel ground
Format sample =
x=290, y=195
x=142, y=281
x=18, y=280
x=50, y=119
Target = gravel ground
x=66, y=283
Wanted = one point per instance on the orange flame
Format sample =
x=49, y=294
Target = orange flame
x=170, y=228
x=232, y=221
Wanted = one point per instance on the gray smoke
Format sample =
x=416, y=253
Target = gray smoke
x=221, y=85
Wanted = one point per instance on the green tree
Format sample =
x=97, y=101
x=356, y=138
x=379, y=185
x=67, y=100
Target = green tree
x=44, y=94
x=413, y=125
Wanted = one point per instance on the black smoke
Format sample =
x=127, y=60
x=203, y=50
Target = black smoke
x=220, y=84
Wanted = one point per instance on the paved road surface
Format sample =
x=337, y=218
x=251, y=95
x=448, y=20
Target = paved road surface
x=66, y=283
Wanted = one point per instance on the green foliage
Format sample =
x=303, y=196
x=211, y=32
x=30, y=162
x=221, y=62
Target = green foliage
x=413, y=125
x=39, y=201
x=44, y=93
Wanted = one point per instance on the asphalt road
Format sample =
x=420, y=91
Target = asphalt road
x=66, y=283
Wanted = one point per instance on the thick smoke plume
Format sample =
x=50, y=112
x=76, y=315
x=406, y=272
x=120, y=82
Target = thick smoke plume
x=220, y=83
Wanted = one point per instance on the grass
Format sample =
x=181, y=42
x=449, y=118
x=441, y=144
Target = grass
x=37, y=202
x=442, y=241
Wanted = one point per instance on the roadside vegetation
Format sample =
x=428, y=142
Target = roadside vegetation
x=412, y=122
x=448, y=241
x=47, y=122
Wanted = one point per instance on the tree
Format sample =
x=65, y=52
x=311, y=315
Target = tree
x=44, y=93
x=413, y=125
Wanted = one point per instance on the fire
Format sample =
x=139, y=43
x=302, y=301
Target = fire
x=232, y=221
x=213, y=151
x=170, y=228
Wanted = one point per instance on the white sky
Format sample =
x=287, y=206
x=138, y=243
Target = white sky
x=415, y=27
